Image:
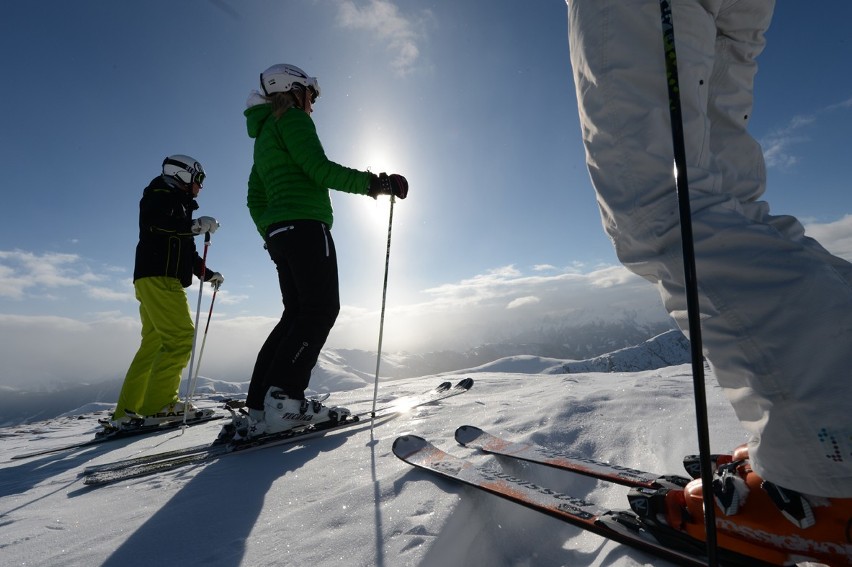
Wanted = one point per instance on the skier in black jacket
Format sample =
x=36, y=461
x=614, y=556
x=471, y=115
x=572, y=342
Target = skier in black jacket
x=166, y=259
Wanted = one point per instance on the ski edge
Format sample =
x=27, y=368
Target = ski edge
x=120, y=434
x=475, y=437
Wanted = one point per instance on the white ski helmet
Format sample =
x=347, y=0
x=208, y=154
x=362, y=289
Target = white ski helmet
x=281, y=78
x=184, y=168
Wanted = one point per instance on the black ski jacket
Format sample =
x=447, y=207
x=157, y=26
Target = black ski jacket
x=166, y=244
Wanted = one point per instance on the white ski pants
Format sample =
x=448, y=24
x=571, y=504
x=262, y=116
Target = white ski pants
x=776, y=307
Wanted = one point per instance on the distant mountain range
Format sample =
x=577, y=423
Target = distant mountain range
x=668, y=349
x=602, y=347
x=578, y=343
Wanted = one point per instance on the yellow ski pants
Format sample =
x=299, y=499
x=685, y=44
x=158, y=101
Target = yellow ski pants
x=153, y=379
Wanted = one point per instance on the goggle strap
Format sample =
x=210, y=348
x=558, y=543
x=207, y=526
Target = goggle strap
x=194, y=176
x=262, y=85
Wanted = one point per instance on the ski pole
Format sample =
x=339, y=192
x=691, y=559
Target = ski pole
x=690, y=278
x=195, y=333
x=382, y=318
x=194, y=382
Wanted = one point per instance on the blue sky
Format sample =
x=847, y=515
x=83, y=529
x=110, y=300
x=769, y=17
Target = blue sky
x=473, y=102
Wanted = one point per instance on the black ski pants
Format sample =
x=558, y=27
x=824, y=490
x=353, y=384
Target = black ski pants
x=304, y=255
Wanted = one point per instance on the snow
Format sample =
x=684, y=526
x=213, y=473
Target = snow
x=345, y=499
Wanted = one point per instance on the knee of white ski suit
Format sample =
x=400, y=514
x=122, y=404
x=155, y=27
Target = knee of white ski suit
x=774, y=304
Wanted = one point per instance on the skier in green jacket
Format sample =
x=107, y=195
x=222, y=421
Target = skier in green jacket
x=289, y=201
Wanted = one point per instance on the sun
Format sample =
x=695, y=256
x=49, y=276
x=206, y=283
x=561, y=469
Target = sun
x=375, y=212
x=377, y=157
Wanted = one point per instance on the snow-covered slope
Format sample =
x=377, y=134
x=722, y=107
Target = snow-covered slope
x=345, y=499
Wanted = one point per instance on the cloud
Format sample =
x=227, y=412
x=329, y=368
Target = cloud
x=835, y=236
x=106, y=294
x=610, y=276
x=457, y=316
x=48, y=351
x=842, y=105
x=11, y=285
x=227, y=9
x=27, y=274
x=44, y=351
x=22, y=271
x=384, y=22
x=505, y=301
x=54, y=276
x=501, y=304
x=778, y=145
x=522, y=301
x=496, y=305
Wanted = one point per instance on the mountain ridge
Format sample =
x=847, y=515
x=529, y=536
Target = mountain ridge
x=345, y=370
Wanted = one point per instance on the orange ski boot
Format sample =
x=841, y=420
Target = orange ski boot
x=758, y=518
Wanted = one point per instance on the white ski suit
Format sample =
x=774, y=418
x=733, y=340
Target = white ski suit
x=776, y=307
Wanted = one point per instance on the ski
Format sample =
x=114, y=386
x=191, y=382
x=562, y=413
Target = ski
x=474, y=437
x=103, y=437
x=426, y=397
x=150, y=464
x=621, y=526
x=648, y=486
x=210, y=452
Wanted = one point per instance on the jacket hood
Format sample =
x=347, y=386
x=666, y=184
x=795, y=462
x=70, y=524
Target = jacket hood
x=257, y=113
x=254, y=99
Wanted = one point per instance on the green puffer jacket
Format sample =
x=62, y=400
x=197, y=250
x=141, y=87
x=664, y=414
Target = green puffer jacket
x=291, y=174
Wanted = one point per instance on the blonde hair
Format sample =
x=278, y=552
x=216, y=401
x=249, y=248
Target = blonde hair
x=281, y=102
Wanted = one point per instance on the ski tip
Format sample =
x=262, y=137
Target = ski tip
x=467, y=433
x=464, y=384
x=407, y=445
x=444, y=386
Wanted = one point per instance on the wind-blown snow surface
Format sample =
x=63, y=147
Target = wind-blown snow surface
x=346, y=499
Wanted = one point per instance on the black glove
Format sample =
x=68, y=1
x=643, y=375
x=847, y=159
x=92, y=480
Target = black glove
x=384, y=184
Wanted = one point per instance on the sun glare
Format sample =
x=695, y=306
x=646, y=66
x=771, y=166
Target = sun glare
x=377, y=158
x=375, y=212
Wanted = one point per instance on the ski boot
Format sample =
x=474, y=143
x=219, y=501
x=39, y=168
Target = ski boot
x=245, y=424
x=692, y=463
x=111, y=426
x=754, y=517
x=170, y=413
x=283, y=413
